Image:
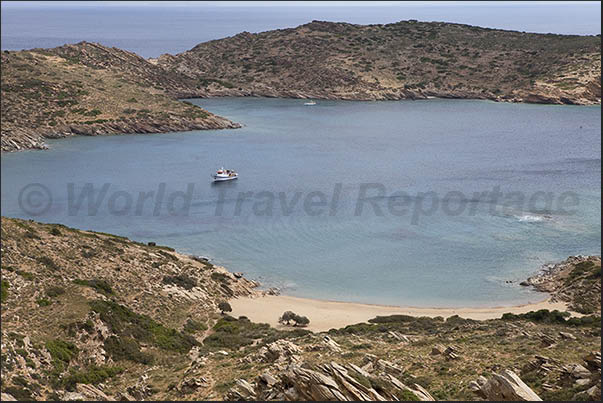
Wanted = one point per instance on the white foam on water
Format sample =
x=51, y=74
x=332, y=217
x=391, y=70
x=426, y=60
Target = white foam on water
x=532, y=218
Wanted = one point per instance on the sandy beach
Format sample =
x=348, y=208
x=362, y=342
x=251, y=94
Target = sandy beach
x=325, y=315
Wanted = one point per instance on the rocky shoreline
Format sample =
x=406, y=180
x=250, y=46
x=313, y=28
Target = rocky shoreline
x=23, y=139
x=571, y=281
x=399, y=94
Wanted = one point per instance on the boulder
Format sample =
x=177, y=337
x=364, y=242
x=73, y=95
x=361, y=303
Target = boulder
x=268, y=379
x=451, y=352
x=593, y=360
x=567, y=336
x=331, y=344
x=438, y=349
x=91, y=393
x=579, y=372
x=190, y=385
x=74, y=396
x=400, y=337
x=506, y=386
x=547, y=341
x=593, y=394
x=280, y=350
x=242, y=390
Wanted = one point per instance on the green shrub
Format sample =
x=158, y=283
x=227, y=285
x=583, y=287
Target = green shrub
x=61, y=352
x=193, y=326
x=43, y=302
x=55, y=231
x=48, y=262
x=125, y=322
x=101, y=286
x=26, y=275
x=4, y=291
x=224, y=307
x=579, y=270
x=181, y=280
x=126, y=348
x=73, y=327
x=31, y=234
x=18, y=393
x=554, y=317
x=91, y=375
x=93, y=112
x=234, y=333
x=221, y=277
x=55, y=291
x=361, y=379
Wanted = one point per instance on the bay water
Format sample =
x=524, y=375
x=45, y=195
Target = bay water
x=412, y=203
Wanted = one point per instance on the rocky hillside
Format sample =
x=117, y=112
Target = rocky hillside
x=408, y=59
x=93, y=316
x=89, y=89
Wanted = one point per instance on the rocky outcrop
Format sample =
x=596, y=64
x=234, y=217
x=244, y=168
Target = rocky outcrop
x=280, y=351
x=328, y=382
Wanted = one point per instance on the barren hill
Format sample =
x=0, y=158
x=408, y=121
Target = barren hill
x=90, y=89
x=408, y=59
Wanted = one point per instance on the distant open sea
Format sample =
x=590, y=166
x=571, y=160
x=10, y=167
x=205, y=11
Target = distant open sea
x=153, y=30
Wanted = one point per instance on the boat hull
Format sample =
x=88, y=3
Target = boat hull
x=224, y=178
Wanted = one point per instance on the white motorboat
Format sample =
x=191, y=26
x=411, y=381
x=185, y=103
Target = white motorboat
x=310, y=103
x=224, y=175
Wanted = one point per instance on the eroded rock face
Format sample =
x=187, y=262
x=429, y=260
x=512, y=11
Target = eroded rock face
x=327, y=382
x=281, y=351
x=506, y=386
x=8, y=398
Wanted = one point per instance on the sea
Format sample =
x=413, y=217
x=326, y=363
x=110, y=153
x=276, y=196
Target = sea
x=429, y=203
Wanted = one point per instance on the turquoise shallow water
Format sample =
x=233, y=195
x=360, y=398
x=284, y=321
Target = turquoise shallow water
x=427, y=234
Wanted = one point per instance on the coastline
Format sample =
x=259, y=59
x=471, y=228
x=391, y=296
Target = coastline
x=325, y=315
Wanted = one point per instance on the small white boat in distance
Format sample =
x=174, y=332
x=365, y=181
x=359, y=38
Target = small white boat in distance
x=310, y=103
x=224, y=175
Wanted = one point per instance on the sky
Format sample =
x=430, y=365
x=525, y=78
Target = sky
x=151, y=28
x=282, y=3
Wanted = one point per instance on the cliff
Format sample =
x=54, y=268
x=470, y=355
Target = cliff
x=94, y=316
